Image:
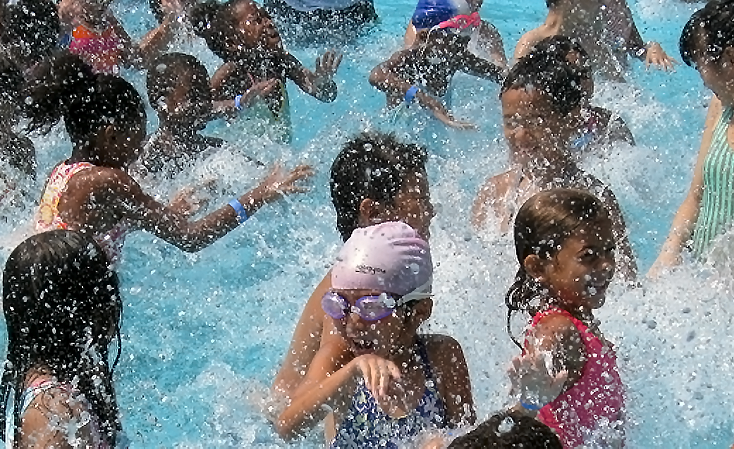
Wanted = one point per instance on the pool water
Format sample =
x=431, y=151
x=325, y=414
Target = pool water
x=203, y=334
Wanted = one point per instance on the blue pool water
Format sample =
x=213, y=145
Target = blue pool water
x=204, y=333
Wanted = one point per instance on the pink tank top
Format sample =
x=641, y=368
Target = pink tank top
x=591, y=412
x=101, y=50
x=48, y=217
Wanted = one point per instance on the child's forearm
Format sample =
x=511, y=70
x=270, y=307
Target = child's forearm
x=311, y=403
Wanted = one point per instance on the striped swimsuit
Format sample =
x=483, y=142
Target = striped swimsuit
x=717, y=208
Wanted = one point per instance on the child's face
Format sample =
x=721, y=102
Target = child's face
x=579, y=274
x=190, y=103
x=412, y=204
x=718, y=75
x=379, y=337
x=256, y=28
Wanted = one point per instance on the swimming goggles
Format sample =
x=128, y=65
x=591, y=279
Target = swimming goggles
x=463, y=23
x=369, y=308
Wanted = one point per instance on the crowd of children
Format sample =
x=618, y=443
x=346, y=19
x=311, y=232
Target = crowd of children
x=357, y=360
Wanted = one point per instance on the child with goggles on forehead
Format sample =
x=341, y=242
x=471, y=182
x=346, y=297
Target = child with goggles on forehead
x=422, y=73
x=383, y=382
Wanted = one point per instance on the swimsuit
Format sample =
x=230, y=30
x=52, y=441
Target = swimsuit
x=591, y=411
x=101, y=50
x=367, y=426
x=717, y=205
x=30, y=394
x=48, y=217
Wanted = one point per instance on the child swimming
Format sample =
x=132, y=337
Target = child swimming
x=92, y=191
x=243, y=35
x=423, y=72
x=540, y=98
x=374, y=178
x=567, y=374
x=383, y=381
x=606, y=30
x=62, y=309
x=178, y=90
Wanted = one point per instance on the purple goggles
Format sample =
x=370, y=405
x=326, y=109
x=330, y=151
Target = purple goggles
x=369, y=308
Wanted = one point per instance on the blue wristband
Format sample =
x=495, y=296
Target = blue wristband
x=239, y=210
x=410, y=94
x=238, y=102
x=531, y=407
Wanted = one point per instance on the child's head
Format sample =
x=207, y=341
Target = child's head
x=568, y=50
x=377, y=178
x=104, y=115
x=539, y=96
x=707, y=43
x=30, y=31
x=509, y=430
x=62, y=309
x=565, y=247
x=235, y=28
x=178, y=89
x=381, y=288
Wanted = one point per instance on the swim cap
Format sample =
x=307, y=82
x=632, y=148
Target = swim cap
x=389, y=257
x=429, y=13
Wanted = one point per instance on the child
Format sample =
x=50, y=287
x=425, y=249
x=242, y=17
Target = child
x=485, y=40
x=374, y=178
x=507, y=430
x=383, y=381
x=29, y=33
x=92, y=191
x=62, y=309
x=424, y=71
x=243, y=35
x=596, y=126
x=540, y=98
x=178, y=90
x=567, y=373
x=606, y=30
x=93, y=33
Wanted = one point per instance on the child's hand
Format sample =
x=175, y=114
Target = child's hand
x=261, y=89
x=377, y=373
x=279, y=182
x=533, y=380
x=187, y=203
x=655, y=55
x=327, y=64
x=448, y=120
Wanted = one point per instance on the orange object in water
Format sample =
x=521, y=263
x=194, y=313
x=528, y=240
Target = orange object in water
x=101, y=50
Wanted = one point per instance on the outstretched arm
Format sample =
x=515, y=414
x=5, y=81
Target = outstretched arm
x=476, y=66
x=651, y=53
x=319, y=83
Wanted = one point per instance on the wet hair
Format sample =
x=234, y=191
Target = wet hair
x=62, y=302
x=11, y=81
x=31, y=29
x=509, y=430
x=67, y=88
x=553, y=77
x=372, y=165
x=165, y=73
x=157, y=9
x=709, y=32
x=561, y=47
x=551, y=3
x=542, y=225
x=215, y=22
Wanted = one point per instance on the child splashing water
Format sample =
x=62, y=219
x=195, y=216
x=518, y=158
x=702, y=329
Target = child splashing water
x=383, y=380
x=62, y=310
x=243, y=35
x=92, y=191
x=567, y=373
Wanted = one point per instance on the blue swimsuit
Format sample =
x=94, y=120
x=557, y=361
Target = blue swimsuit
x=367, y=426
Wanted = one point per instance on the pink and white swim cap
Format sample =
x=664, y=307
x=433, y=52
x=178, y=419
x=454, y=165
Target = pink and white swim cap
x=389, y=257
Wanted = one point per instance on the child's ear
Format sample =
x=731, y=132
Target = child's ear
x=535, y=267
x=369, y=212
x=421, y=311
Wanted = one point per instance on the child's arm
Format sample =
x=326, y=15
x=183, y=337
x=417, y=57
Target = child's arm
x=330, y=384
x=552, y=362
x=489, y=200
x=652, y=52
x=319, y=83
x=452, y=373
x=685, y=219
x=476, y=66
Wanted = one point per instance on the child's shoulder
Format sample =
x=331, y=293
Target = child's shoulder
x=442, y=348
x=555, y=322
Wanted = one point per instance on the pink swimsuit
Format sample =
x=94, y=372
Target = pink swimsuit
x=591, y=412
x=48, y=217
x=101, y=50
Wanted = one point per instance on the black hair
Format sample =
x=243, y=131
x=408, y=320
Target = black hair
x=551, y=3
x=163, y=76
x=61, y=301
x=68, y=88
x=30, y=29
x=18, y=151
x=157, y=9
x=709, y=31
x=561, y=47
x=553, y=77
x=372, y=165
x=215, y=22
x=509, y=430
x=11, y=81
x=542, y=225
